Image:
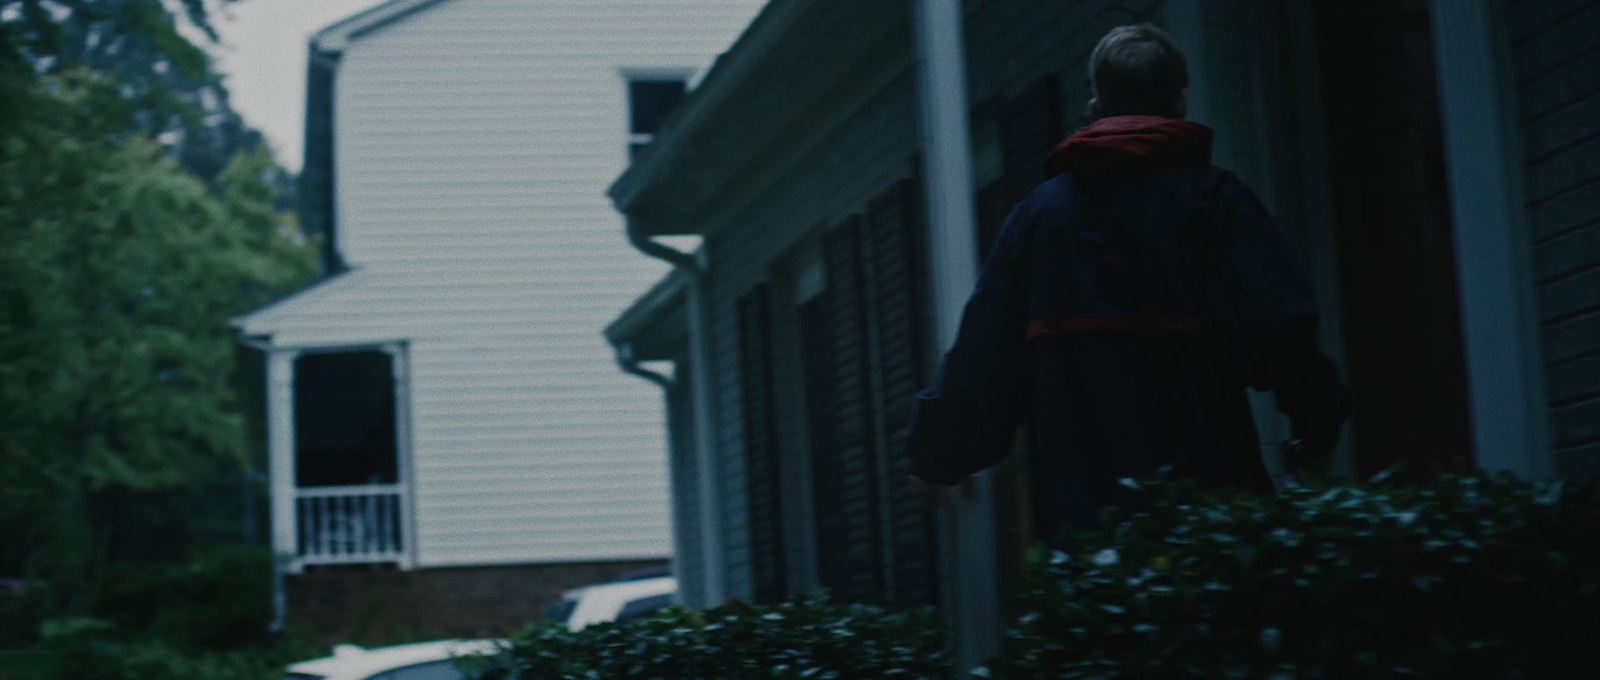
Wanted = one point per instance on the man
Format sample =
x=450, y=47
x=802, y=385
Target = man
x=1127, y=304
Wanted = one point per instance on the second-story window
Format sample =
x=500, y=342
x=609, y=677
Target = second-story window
x=649, y=102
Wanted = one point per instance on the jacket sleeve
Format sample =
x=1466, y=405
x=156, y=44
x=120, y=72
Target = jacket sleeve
x=965, y=422
x=1271, y=314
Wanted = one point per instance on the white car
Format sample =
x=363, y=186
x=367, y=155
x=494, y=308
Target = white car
x=422, y=661
x=617, y=601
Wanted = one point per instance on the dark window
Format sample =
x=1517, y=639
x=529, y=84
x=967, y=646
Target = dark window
x=644, y=607
x=344, y=419
x=650, y=101
x=560, y=610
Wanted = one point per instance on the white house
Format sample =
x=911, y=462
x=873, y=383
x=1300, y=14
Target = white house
x=440, y=398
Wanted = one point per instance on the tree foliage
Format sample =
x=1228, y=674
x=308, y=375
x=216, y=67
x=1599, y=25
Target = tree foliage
x=167, y=81
x=122, y=269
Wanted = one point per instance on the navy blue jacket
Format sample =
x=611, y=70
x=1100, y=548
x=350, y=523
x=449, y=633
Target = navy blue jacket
x=1126, y=306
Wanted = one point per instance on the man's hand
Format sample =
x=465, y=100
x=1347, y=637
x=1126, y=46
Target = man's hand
x=938, y=495
x=933, y=495
x=1305, y=458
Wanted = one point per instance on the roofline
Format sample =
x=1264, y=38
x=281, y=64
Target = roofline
x=649, y=307
x=316, y=283
x=722, y=82
x=337, y=36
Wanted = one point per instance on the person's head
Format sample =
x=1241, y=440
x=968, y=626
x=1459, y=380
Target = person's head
x=1137, y=71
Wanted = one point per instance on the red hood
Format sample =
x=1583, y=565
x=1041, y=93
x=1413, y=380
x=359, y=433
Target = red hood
x=1126, y=144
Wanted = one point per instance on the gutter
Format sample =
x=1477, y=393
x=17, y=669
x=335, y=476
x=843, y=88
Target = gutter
x=631, y=366
x=715, y=587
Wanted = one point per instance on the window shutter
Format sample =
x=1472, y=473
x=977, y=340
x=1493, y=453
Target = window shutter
x=993, y=204
x=845, y=475
x=761, y=446
x=899, y=311
x=1031, y=127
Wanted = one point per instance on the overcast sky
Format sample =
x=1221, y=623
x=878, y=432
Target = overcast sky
x=263, y=54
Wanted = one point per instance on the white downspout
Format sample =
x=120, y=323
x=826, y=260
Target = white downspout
x=967, y=542
x=704, y=413
x=281, y=473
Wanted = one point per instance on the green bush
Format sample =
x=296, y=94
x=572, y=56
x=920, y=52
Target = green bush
x=806, y=637
x=1469, y=577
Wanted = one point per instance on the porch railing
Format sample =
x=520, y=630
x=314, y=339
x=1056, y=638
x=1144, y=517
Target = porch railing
x=350, y=524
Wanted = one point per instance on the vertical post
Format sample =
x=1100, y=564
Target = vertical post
x=971, y=578
x=1493, y=263
x=406, y=483
x=705, y=437
x=280, y=463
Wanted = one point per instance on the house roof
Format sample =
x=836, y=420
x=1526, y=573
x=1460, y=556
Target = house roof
x=337, y=36
x=655, y=324
x=771, y=95
x=258, y=321
x=317, y=208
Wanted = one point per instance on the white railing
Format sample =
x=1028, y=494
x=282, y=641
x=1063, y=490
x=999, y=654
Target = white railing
x=350, y=524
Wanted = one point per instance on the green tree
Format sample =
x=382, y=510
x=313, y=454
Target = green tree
x=141, y=45
x=121, y=271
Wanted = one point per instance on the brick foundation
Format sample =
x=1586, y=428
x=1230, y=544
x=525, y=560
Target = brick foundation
x=367, y=604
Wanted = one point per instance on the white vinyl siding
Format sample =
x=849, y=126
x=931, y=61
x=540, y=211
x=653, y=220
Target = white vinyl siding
x=474, y=143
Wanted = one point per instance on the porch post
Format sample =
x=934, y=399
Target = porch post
x=967, y=542
x=280, y=470
x=1493, y=262
x=405, y=480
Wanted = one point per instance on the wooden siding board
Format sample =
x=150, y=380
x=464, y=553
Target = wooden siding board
x=1528, y=18
x=1577, y=165
x=1575, y=424
x=1574, y=379
x=1574, y=80
x=1580, y=462
x=1558, y=43
x=1561, y=129
x=1569, y=253
x=1571, y=295
x=1565, y=212
x=1556, y=65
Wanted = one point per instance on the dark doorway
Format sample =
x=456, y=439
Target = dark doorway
x=1396, y=249
x=344, y=419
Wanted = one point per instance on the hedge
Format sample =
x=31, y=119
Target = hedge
x=1469, y=577
x=805, y=637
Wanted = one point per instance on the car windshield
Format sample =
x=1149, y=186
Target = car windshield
x=560, y=610
x=644, y=607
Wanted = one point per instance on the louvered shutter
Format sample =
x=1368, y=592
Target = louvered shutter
x=899, y=314
x=993, y=204
x=1030, y=129
x=834, y=329
x=1033, y=127
x=765, y=504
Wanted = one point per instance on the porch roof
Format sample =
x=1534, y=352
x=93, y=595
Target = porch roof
x=655, y=324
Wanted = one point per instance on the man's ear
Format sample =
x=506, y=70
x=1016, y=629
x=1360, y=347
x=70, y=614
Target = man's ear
x=1094, y=109
x=1183, y=103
